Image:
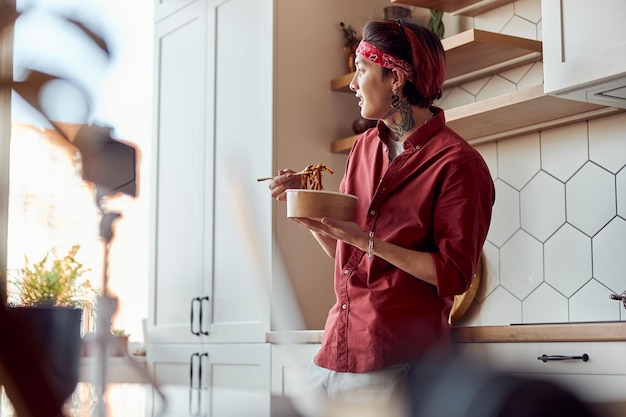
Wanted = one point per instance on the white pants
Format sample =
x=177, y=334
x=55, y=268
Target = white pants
x=376, y=387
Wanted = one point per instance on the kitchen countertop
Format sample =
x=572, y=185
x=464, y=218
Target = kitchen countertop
x=545, y=332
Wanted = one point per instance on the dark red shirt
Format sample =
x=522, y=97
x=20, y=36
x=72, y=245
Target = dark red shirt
x=434, y=197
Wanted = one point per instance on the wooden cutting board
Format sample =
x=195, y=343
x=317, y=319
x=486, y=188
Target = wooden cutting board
x=462, y=302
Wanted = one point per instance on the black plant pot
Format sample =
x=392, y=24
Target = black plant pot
x=56, y=333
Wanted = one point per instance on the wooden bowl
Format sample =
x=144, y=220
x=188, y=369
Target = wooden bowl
x=316, y=204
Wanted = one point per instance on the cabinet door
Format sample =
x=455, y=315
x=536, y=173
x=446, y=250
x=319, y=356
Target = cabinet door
x=164, y=8
x=240, y=126
x=180, y=253
x=214, y=380
x=238, y=379
x=213, y=137
x=289, y=362
x=578, y=49
x=600, y=378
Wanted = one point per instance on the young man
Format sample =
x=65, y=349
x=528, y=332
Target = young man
x=424, y=208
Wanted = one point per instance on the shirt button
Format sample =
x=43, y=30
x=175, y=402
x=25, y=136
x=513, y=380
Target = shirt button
x=417, y=148
x=343, y=306
x=373, y=212
x=346, y=272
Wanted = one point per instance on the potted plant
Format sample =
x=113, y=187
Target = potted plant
x=350, y=43
x=49, y=298
x=121, y=342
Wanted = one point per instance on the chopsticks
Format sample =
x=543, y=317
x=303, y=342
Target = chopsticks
x=305, y=172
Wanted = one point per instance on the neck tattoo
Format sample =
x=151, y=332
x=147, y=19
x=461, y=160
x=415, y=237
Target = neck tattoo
x=401, y=120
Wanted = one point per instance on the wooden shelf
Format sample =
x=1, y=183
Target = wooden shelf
x=462, y=7
x=475, y=54
x=525, y=111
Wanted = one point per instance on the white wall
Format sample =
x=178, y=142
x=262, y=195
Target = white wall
x=308, y=117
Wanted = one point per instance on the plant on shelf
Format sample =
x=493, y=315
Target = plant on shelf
x=435, y=23
x=53, y=281
x=350, y=43
x=121, y=339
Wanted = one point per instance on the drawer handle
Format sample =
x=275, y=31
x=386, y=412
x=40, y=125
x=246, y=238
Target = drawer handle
x=545, y=358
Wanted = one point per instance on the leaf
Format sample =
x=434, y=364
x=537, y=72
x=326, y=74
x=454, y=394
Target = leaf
x=97, y=39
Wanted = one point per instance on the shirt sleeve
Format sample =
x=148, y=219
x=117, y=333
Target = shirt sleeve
x=461, y=222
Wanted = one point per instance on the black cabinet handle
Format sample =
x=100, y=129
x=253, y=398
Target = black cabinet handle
x=191, y=370
x=545, y=358
x=202, y=300
x=193, y=302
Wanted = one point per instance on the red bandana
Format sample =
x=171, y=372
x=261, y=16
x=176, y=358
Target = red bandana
x=381, y=57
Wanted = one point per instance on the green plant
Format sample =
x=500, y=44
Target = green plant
x=435, y=23
x=119, y=333
x=54, y=281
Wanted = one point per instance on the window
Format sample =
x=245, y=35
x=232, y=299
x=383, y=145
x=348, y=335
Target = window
x=49, y=205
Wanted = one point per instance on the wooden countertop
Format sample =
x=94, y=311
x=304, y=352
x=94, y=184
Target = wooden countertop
x=550, y=332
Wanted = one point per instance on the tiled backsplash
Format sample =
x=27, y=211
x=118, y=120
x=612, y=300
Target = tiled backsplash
x=556, y=248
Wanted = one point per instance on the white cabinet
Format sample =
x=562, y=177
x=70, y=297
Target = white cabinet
x=584, y=54
x=600, y=379
x=223, y=377
x=211, y=221
x=289, y=362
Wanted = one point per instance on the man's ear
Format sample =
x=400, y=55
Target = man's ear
x=399, y=79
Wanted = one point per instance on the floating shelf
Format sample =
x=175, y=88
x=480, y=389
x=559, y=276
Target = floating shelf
x=462, y=7
x=525, y=111
x=474, y=54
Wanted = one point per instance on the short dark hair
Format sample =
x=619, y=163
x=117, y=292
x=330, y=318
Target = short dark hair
x=420, y=47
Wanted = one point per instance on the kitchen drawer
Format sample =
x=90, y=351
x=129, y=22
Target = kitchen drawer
x=601, y=378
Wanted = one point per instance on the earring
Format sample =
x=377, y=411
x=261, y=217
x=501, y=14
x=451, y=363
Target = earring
x=395, y=100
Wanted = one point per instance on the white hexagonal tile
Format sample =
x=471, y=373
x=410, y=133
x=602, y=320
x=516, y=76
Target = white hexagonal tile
x=516, y=74
x=489, y=152
x=564, y=150
x=494, y=20
x=620, y=178
x=590, y=198
x=519, y=160
x=491, y=272
x=521, y=28
x=500, y=308
x=496, y=86
x=567, y=260
x=540, y=30
x=533, y=77
x=607, y=146
x=609, y=255
x=521, y=264
x=528, y=9
x=455, y=98
x=544, y=305
x=592, y=303
x=542, y=203
x=505, y=215
x=474, y=87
